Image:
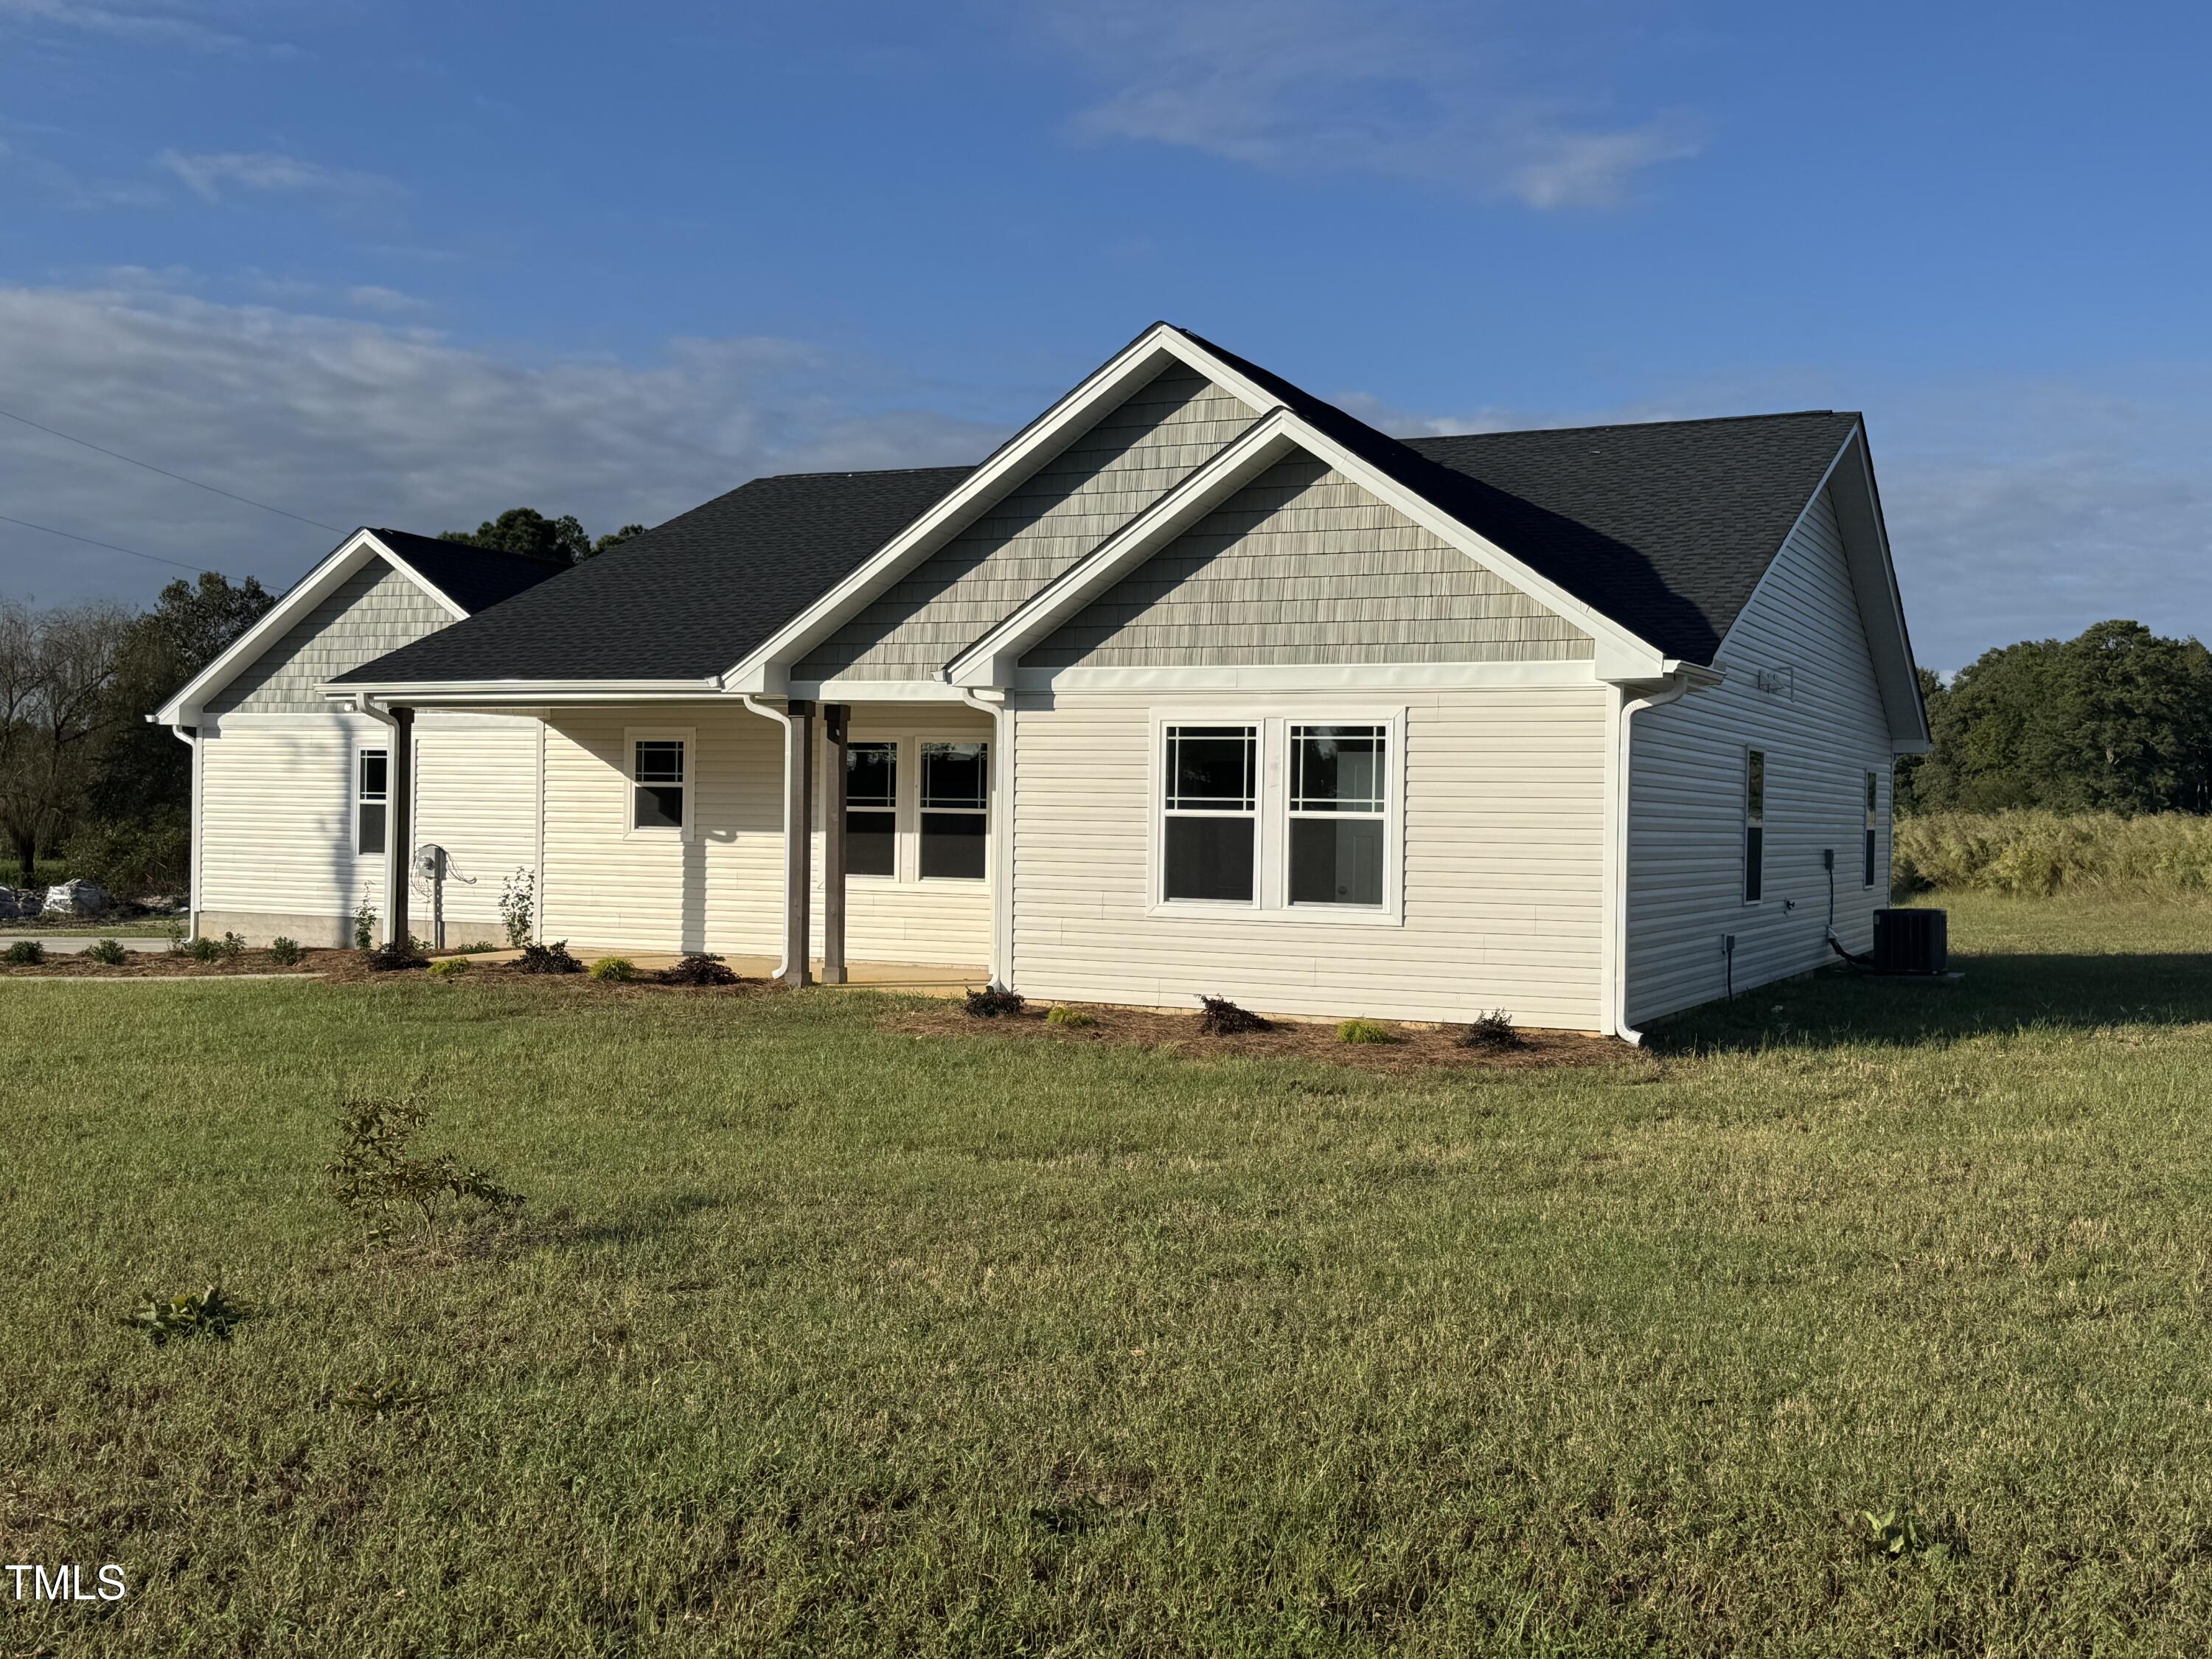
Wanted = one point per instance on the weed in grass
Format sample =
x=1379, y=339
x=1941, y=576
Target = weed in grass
x=554, y=958
x=211, y=1313
x=1223, y=1018
x=699, y=967
x=449, y=967
x=1364, y=1031
x=285, y=952
x=376, y=1171
x=990, y=1003
x=107, y=952
x=26, y=953
x=383, y=1399
x=1064, y=1015
x=614, y=970
x=1493, y=1033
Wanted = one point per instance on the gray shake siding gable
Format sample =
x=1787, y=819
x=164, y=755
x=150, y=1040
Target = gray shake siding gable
x=1303, y=566
x=1124, y=462
x=373, y=610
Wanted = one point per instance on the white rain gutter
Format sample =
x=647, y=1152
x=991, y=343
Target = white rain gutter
x=993, y=703
x=1630, y=708
x=783, y=718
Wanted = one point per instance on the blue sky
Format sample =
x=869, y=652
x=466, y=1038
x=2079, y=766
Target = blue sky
x=413, y=264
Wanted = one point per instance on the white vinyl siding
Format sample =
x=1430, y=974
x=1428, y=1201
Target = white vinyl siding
x=1504, y=842
x=277, y=827
x=475, y=795
x=1127, y=460
x=720, y=888
x=1821, y=722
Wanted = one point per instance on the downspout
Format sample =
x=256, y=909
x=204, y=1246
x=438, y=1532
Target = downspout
x=190, y=736
x=1002, y=843
x=365, y=704
x=790, y=814
x=1630, y=708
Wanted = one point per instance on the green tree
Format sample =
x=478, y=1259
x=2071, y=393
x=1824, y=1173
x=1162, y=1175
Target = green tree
x=617, y=537
x=526, y=530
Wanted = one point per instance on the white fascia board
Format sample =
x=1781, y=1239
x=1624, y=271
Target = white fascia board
x=458, y=612
x=762, y=670
x=1566, y=673
x=356, y=550
x=850, y=691
x=423, y=694
x=1901, y=670
x=992, y=659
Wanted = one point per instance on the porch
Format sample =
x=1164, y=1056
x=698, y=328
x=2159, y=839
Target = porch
x=920, y=979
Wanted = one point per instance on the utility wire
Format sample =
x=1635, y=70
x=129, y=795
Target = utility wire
x=110, y=546
x=165, y=473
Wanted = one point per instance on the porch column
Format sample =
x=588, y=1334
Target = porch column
x=398, y=824
x=837, y=722
x=798, y=843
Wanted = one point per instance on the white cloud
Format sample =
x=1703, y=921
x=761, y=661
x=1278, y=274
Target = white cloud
x=1412, y=88
x=152, y=26
x=353, y=422
x=224, y=176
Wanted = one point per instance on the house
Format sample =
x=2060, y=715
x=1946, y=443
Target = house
x=1197, y=685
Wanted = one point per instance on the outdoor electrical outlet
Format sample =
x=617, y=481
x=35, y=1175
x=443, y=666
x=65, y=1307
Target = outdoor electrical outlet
x=1828, y=858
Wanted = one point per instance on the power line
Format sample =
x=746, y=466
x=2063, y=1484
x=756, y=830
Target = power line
x=165, y=473
x=110, y=546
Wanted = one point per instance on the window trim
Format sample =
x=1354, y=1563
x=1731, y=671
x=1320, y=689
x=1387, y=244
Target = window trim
x=1745, y=825
x=901, y=772
x=360, y=753
x=634, y=735
x=1270, y=854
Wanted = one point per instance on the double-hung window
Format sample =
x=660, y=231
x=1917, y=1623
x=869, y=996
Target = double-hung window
x=371, y=798
x=1209, y=849
x=1754, y=825
x=1873, y=805
x=660, y=784
x=872, y=809
x=956, y=793
x=1338, y=802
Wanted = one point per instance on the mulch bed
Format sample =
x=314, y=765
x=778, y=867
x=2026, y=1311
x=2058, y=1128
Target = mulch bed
x=163, y=964
x=1418, y=1048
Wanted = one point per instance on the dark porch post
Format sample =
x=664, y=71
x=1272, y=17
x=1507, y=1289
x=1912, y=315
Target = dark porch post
x=798, y=843
x=398, y=824
x=837, y=721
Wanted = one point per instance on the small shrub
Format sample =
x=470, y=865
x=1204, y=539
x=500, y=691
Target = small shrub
x=211, y=1313
x=1364, y=1031
x=449, y=967
x=285, y=952
x=699, y=967
x=475, y=947
x=204, y=949
x=1223, y=1018
x=107, y=952
x=364, y=924
x=174, y=932
x=518, y=904
x=1064, y=1016
x=26, y=953
x=390, y=958
x=230, y=946
x=1493, y=1033
x=990, y=1002
x=552, y=958
x=614, y=970
x=376, y=1171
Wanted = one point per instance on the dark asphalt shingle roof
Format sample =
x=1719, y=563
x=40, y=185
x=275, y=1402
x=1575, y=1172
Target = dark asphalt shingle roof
x=685, y=600
x=1665, y=527
x=474, y=578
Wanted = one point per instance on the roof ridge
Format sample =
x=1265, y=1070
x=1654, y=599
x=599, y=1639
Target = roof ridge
x=1637, y=426
x=869, y=472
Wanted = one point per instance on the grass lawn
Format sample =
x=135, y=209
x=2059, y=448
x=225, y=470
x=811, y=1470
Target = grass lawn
x=817, y=1338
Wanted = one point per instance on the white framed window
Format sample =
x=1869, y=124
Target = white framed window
x=1338, y=806
x=1210, y=846
x=1872, y=806
x=1278, y=819
x=659, y=765
x=371, y=798
x=1754, y=825
x=955, y=818
x=872, y=778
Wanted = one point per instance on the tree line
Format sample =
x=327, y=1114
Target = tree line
x=83, y=776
